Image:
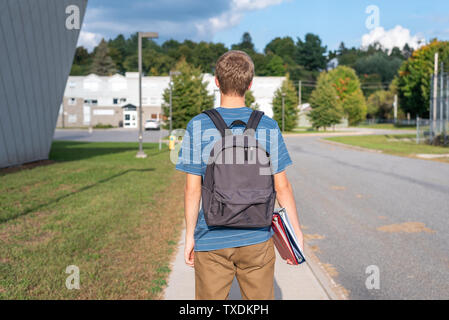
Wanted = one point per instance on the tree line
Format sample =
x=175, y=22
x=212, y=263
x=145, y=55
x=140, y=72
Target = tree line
x=363, y=85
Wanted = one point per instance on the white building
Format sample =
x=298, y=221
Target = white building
x=113, y=100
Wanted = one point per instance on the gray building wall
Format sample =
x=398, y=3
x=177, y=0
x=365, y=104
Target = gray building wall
x=36, y=57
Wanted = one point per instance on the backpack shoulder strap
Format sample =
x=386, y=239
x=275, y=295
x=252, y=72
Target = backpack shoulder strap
x=218, y=121
x=254, y=120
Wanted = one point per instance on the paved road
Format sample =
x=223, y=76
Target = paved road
x=362, y=209
x=107, y=135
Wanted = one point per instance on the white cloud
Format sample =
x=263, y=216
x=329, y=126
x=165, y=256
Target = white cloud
x=89, y=40
x=233, y=16
x=396, y=37
x=254, y=4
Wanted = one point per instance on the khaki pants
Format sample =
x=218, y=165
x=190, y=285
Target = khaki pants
x=253, y=266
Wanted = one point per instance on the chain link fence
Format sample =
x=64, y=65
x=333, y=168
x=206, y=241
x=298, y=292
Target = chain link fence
x=438, y=125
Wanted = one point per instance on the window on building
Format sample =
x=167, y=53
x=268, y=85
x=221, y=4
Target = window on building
x=93, y=102
x=122, y=100
x=115, y=101
x=72, y=101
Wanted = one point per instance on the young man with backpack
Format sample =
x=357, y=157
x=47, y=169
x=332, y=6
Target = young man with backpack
x=235, y=159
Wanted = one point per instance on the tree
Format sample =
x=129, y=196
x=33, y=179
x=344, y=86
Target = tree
x=414, y=77
x=275, y=66
x=81, y=62
x=246, y=44
x=326, y=108
x=282, y=47
x=347, y=86
x=189, y=95
x=102, y=64
x=250, y=101
x=290, y=105
x=381, y=64
x=380, y=104
x=310, y=53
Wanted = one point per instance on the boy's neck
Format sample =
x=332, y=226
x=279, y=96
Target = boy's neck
x=232, y=102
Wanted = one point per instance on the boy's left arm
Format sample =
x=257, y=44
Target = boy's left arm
x=286, y=199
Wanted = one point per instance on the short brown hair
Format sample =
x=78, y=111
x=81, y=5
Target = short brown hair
x=234, y=71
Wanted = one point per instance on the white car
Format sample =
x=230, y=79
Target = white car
x=152, y=125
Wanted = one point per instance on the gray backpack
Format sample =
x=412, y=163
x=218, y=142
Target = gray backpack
x=238, y=188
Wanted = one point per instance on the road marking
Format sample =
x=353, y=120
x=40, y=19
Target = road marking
x=313, y=236
x=406, y=227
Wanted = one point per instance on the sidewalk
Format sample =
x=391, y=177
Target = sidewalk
x=291, y=282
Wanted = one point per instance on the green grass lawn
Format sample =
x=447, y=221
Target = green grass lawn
x=386, y=126
x=116, y=217
x=400, y=144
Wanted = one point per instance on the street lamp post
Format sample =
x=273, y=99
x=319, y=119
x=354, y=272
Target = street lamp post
x=283, y=111
x=149, y=35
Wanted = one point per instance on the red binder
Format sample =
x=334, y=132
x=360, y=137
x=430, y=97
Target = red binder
x=285, y=242
x=281, y=241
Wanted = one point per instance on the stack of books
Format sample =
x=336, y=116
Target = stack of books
x=285, y=239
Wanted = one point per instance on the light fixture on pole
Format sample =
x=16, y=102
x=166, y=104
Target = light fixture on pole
x=149, y=35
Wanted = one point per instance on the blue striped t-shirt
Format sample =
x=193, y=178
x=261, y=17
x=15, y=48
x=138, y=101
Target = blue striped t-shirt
x=199, y=138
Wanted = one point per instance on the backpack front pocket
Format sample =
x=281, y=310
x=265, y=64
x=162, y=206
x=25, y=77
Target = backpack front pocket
x=240, y=208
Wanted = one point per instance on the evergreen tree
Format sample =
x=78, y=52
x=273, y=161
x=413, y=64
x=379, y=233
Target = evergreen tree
x=326, y=108
x=246, y=44
x=189, y=95
x=310, y=53
x=102, y=64
x=290, y=105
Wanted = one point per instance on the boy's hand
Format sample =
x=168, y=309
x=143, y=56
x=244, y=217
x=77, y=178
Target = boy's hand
x=189, y=254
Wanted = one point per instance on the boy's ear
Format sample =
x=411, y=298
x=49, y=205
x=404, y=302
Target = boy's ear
x=250, y=85
x=217, y=83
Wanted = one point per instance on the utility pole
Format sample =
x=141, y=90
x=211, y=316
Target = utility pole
x=395, y=108
x=440, y=102
x=300, y=93
x=283, y=111
x=151, y=35
x=435, y=94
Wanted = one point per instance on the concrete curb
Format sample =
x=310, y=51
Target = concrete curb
x=332, y=289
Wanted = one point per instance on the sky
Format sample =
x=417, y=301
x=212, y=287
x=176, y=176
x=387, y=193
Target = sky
x=355, y=22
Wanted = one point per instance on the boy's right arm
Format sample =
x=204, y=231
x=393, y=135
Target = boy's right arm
x=192, y=198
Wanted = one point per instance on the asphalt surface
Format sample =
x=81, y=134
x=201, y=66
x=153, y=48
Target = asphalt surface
x=345, y=195
x=108, y=135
